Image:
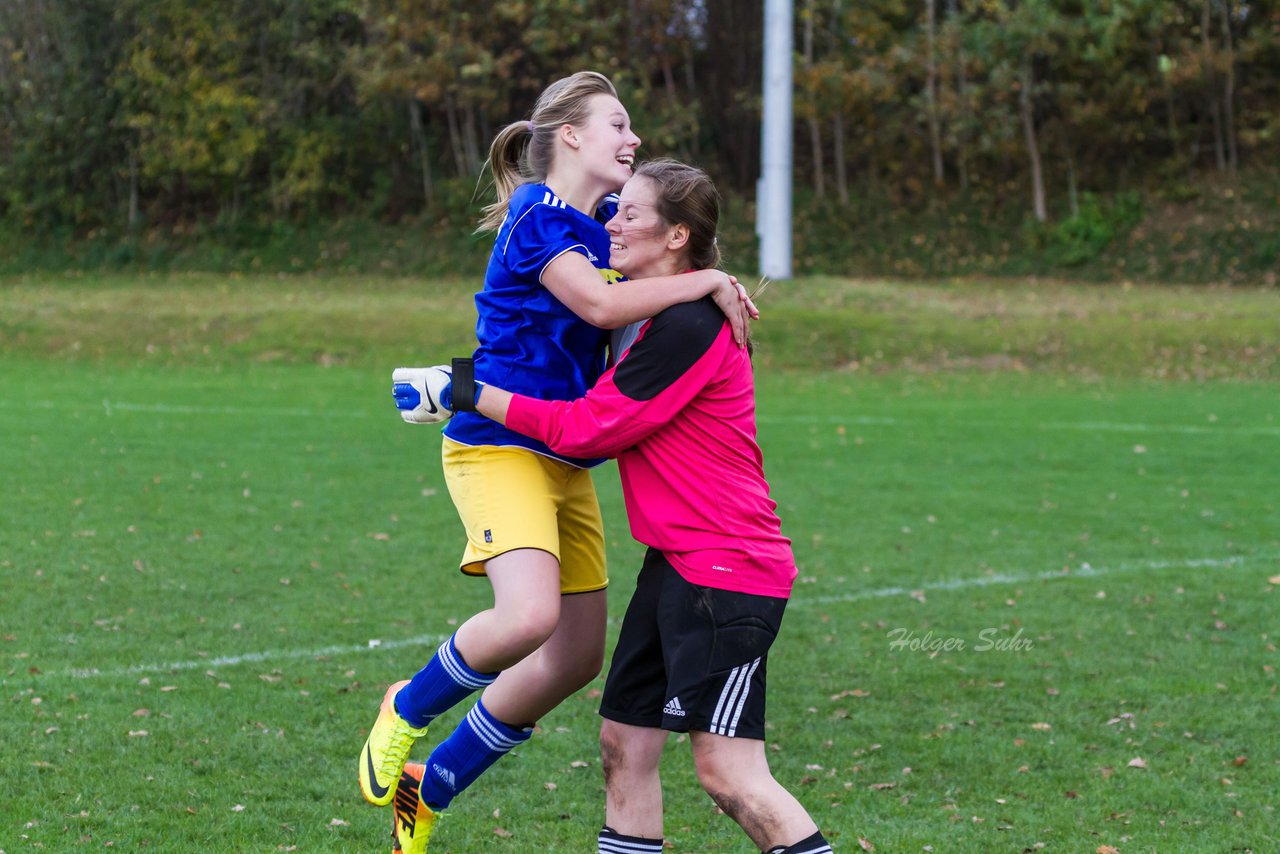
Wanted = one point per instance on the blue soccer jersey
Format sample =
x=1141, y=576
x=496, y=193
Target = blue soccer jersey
x=530, y=342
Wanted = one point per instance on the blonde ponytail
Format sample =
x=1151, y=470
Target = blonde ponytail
x=506, y=156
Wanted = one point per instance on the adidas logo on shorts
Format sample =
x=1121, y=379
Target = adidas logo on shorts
x=673, y=708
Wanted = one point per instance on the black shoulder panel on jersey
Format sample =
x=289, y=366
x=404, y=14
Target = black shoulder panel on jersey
x=678, y=337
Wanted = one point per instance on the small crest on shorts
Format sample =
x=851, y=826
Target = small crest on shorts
x=488, y=535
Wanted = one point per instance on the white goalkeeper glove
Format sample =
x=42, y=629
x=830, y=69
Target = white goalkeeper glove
x=421, y=394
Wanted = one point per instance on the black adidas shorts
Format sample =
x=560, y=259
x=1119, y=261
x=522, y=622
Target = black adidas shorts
x=691, y=657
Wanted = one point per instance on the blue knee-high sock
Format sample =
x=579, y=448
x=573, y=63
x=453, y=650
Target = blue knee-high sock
x=479, y=741
x=438, y=687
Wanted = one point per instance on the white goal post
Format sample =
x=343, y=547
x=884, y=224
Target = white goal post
x=773, y=192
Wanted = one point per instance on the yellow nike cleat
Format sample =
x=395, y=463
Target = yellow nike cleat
x=412, y=820
x=385, y=751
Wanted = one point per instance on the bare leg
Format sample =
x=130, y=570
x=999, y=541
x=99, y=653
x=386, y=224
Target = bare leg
x=525, y=612
x=632, y=785
x=570, y=658
x=735, y=773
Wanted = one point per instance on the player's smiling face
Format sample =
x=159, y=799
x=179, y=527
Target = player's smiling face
x=639, y=241
x=607, y=142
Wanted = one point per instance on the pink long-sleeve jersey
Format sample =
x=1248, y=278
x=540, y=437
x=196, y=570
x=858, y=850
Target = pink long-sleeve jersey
x=678, y=412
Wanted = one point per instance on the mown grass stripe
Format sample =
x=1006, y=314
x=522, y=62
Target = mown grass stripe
x=1083, y=571
x=110, y=406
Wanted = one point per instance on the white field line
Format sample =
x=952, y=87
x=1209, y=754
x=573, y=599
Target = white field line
x=110, y=407
x=251, y=658
x=1082, y=571
x=798, y=601
x=1086, y=426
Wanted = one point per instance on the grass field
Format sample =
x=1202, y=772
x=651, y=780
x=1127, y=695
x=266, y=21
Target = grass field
x=1037, y=607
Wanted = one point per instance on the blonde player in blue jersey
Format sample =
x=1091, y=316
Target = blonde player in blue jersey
x=531, y=516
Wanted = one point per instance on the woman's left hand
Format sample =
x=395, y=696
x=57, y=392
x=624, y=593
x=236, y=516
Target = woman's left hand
x=737, y=306
x=746, y=297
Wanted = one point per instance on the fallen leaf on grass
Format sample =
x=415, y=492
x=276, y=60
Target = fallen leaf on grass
x=502, y=832
x=856, y=692
x=879, y=786
x=337, y=822
x=1108, y=849
x=1042, y=726
x=1138, y=762
x=1275, y=579
x=865, y=845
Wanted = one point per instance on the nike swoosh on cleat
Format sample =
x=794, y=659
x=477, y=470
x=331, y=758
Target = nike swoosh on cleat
x=379, y=792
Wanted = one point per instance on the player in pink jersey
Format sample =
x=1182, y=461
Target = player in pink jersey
x=531, y=516
x=678, y=412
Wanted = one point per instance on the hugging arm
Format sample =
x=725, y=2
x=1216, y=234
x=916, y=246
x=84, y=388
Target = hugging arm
x=577, y=284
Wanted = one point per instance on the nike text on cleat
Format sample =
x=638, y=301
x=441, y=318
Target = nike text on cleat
x=412, y=820
x=385, y=751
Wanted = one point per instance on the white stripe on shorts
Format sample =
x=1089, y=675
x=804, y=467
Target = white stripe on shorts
x=733, y=699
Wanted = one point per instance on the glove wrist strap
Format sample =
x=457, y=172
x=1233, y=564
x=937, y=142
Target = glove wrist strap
x=464, y=385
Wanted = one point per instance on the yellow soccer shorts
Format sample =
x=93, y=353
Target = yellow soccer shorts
x=512, y=498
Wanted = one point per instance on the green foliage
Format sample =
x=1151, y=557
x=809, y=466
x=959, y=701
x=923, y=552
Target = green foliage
x=146, y=114
x=59, y=148
x=1083, y=236
x=1223, y=235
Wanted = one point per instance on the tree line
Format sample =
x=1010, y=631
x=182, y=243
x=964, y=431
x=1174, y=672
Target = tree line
x=119, y=114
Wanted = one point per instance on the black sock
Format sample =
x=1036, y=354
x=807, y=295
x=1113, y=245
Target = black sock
x=611, y=842
x=816, y=844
